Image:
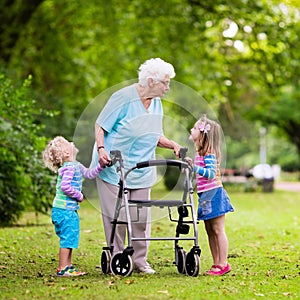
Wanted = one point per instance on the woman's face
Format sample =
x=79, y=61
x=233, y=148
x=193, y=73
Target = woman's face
x=161, y=87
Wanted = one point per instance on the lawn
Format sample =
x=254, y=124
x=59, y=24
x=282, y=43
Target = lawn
x=264, y=254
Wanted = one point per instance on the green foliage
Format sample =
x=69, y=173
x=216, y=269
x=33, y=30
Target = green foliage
x=242, y=155
x=264, y=82
x=24, y=181
x=282, y=153
x=76, y=51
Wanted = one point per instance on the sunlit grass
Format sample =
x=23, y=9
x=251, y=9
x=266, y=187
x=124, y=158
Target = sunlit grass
x=264, y=253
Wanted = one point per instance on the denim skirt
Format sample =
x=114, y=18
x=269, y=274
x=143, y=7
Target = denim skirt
x=213, y=203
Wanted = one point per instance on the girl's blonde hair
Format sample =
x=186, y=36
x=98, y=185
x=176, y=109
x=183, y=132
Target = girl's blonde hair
x=53, y=155
x=209, y=137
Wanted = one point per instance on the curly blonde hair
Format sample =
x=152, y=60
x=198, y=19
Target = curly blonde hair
x=209, y=137
x=53, y=155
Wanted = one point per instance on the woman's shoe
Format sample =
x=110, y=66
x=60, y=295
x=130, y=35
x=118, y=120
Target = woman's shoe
x=146, y=270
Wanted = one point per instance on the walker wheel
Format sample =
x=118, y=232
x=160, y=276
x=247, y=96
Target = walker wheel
x=105, y=261
x=192, y=264
x=180, y=261
x=121, y=264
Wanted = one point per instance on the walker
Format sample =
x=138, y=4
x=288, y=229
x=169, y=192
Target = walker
x=187, y=263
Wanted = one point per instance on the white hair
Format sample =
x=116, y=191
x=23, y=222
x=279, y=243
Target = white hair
x=155, y=68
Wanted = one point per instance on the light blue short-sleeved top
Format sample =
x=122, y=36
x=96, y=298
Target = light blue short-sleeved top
x=133, y=130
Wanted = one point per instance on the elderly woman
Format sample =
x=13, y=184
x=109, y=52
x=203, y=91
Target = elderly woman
x=131, y=121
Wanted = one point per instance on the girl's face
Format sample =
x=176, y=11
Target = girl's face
x=195, y=133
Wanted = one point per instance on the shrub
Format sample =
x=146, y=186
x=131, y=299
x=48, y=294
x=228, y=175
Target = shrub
x=24, y=182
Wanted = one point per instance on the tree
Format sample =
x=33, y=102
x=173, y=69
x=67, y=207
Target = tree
x=264, y=84
x=14, y=15
x=75, y=51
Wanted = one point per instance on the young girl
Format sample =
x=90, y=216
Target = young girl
x=60, y=156
x=213, y=199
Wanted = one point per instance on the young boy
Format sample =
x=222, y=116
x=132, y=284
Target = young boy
x=60, y=157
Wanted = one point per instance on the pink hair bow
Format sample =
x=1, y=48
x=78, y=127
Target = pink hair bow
x=203, y=127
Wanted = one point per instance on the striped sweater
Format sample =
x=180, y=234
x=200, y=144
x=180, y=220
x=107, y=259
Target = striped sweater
x=69, y=184
x=207, y=171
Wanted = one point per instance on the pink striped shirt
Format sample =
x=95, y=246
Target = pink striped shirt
x=208, y=175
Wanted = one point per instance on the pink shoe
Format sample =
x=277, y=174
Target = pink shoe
x=212, y=267
x=219, y=271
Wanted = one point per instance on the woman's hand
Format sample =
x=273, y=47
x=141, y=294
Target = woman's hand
x=176, y=149
x=164, y=142
x=103, y=158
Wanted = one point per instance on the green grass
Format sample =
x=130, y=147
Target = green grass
x=264, y=253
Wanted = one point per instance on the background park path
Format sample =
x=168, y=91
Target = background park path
x=287, y=186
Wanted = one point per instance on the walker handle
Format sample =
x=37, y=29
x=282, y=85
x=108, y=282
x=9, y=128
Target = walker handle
x=115, y=156
x=161, y=162
x=183, y=152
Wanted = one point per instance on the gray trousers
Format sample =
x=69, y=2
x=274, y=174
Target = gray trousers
x=108, y=197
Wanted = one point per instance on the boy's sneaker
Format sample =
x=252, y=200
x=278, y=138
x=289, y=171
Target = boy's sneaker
x=69, y=271
x=72, y=269
x=63, y=272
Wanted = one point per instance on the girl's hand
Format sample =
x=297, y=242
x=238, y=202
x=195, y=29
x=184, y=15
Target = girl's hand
x=189, y=161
